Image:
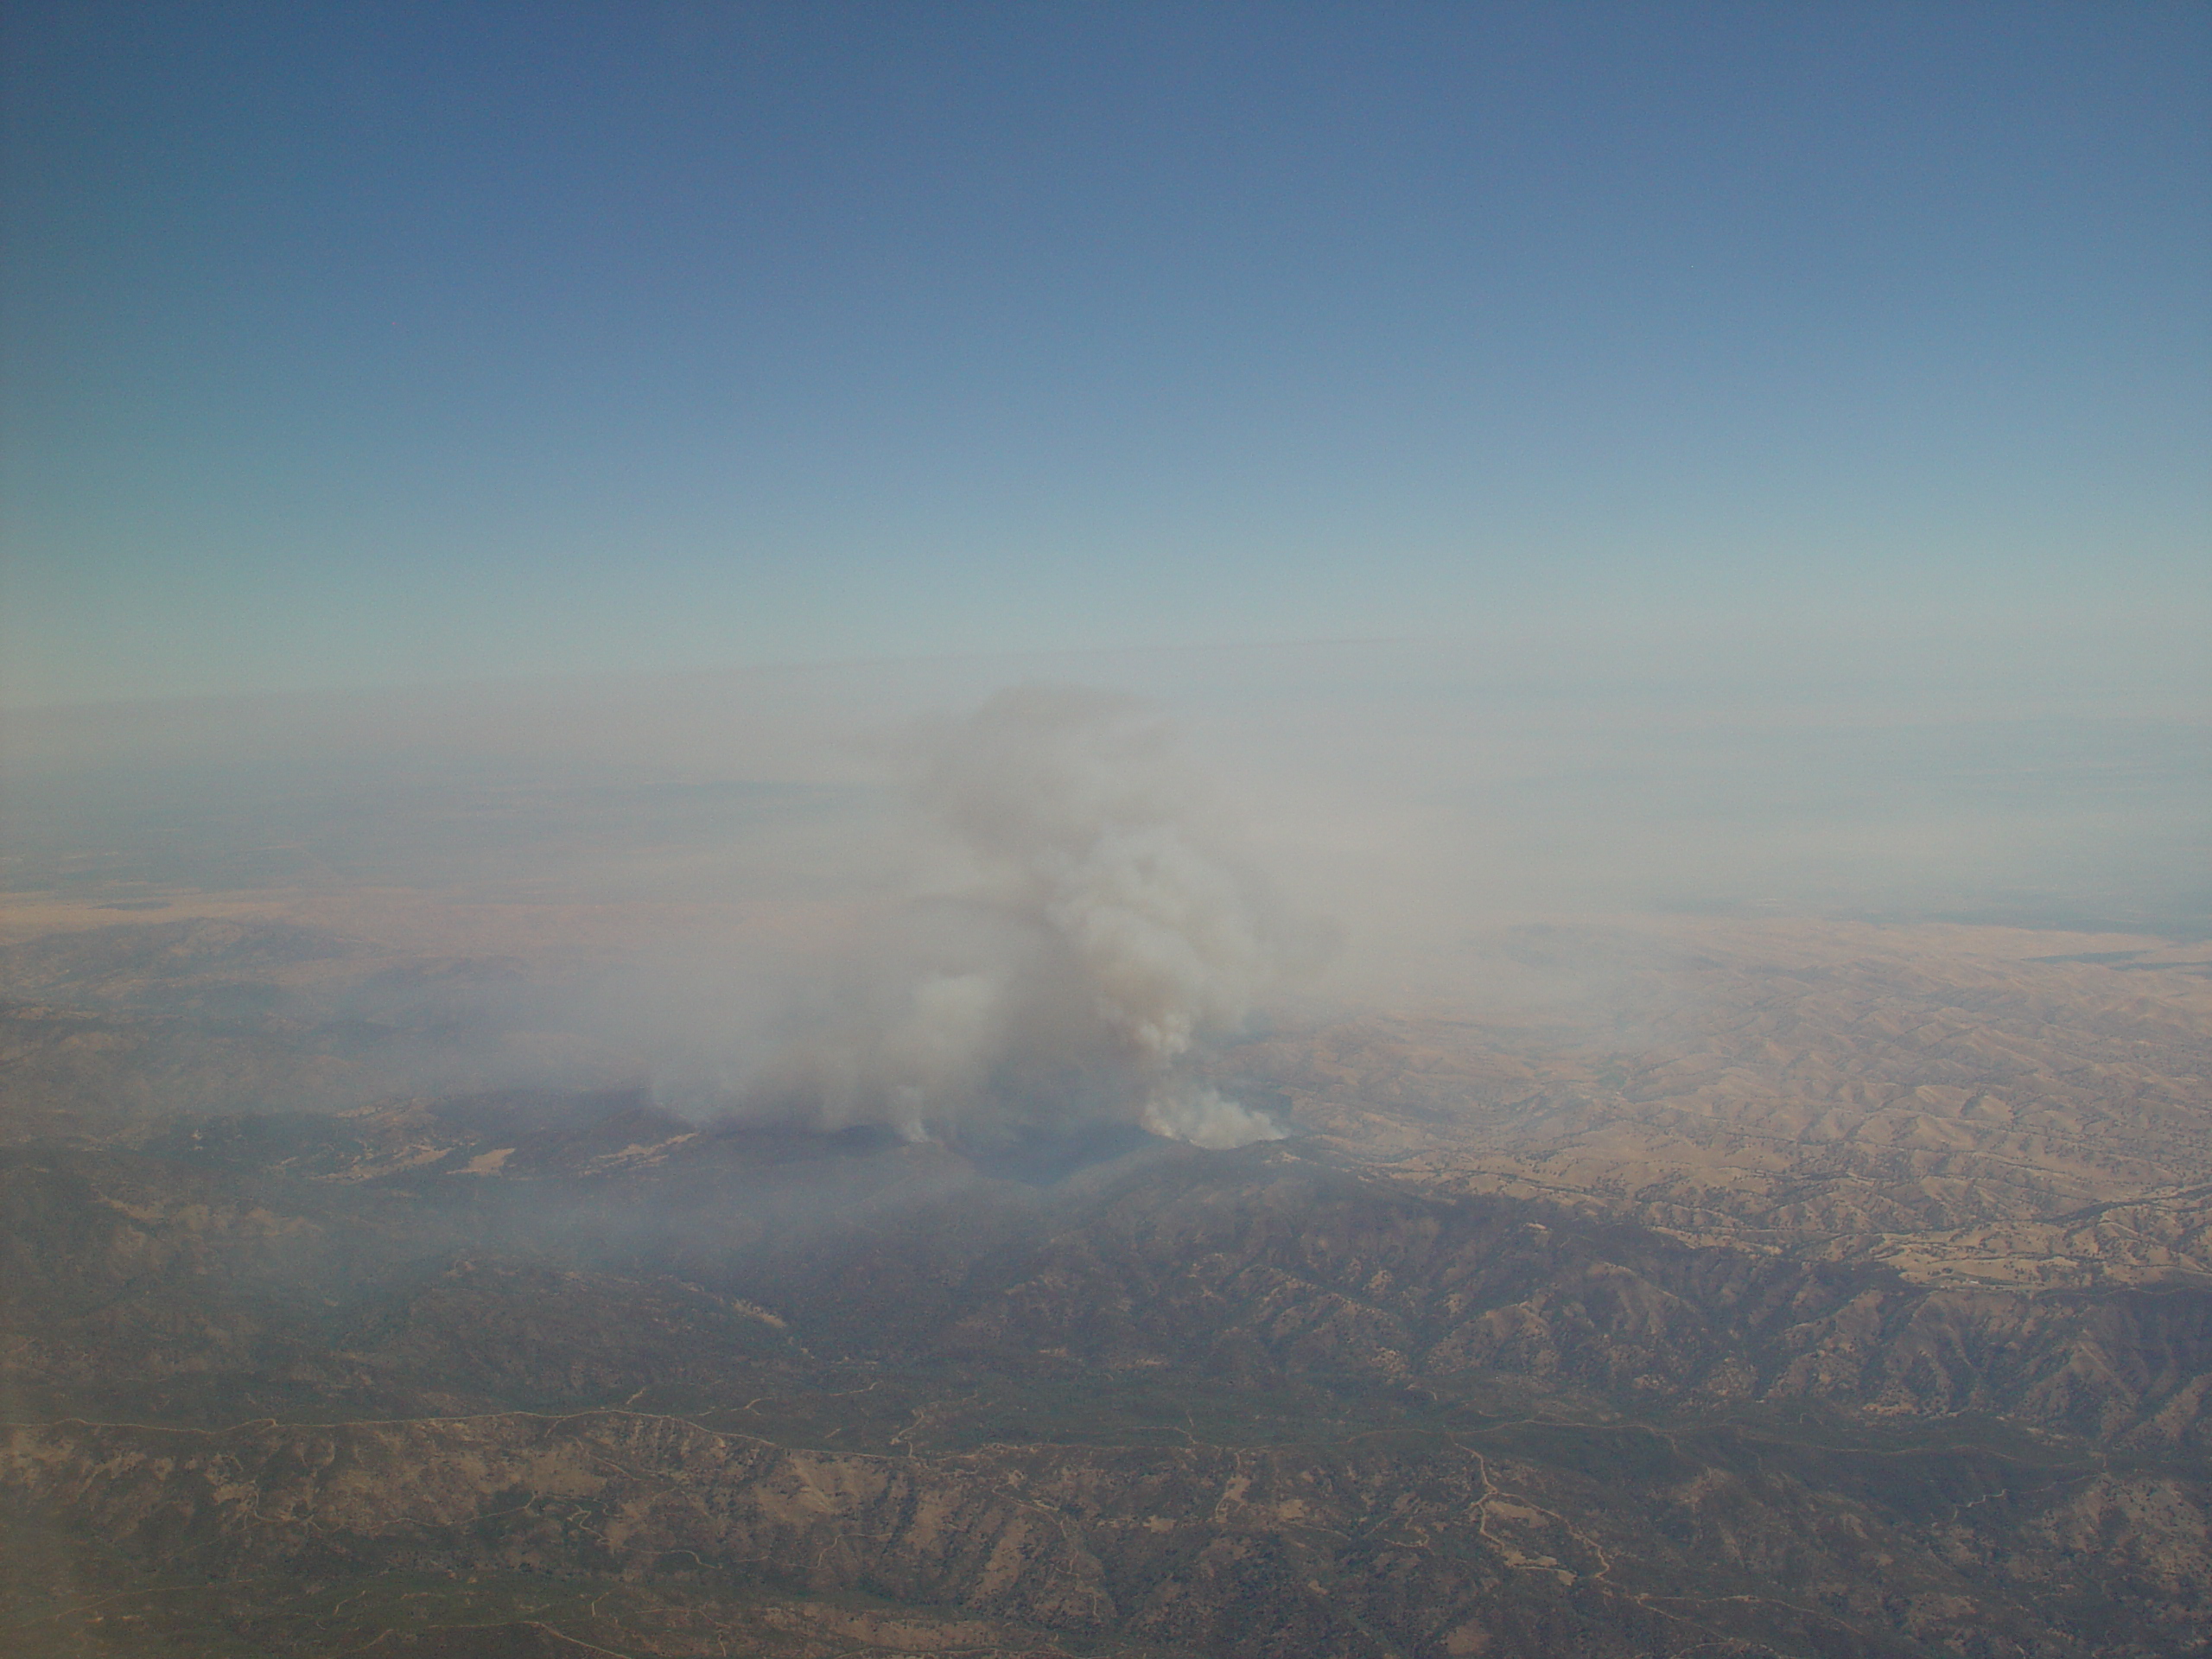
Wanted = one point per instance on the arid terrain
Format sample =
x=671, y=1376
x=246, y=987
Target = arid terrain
x=1694, y=1286
x=1105, y=829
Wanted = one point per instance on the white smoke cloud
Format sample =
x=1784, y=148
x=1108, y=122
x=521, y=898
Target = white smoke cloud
x=1092, y=937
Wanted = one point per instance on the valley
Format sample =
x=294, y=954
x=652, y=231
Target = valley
x=1818, y=1288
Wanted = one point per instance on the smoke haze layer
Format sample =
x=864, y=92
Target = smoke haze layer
x=1087, y=935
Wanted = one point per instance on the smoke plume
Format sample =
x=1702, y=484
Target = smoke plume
x=1089, y=937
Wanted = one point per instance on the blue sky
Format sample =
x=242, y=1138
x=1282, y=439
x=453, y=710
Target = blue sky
x=366, y=344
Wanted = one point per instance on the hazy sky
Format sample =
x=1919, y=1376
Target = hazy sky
x=364, y=343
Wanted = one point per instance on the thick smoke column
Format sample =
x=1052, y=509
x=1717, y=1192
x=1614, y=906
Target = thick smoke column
x=1093, y=939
